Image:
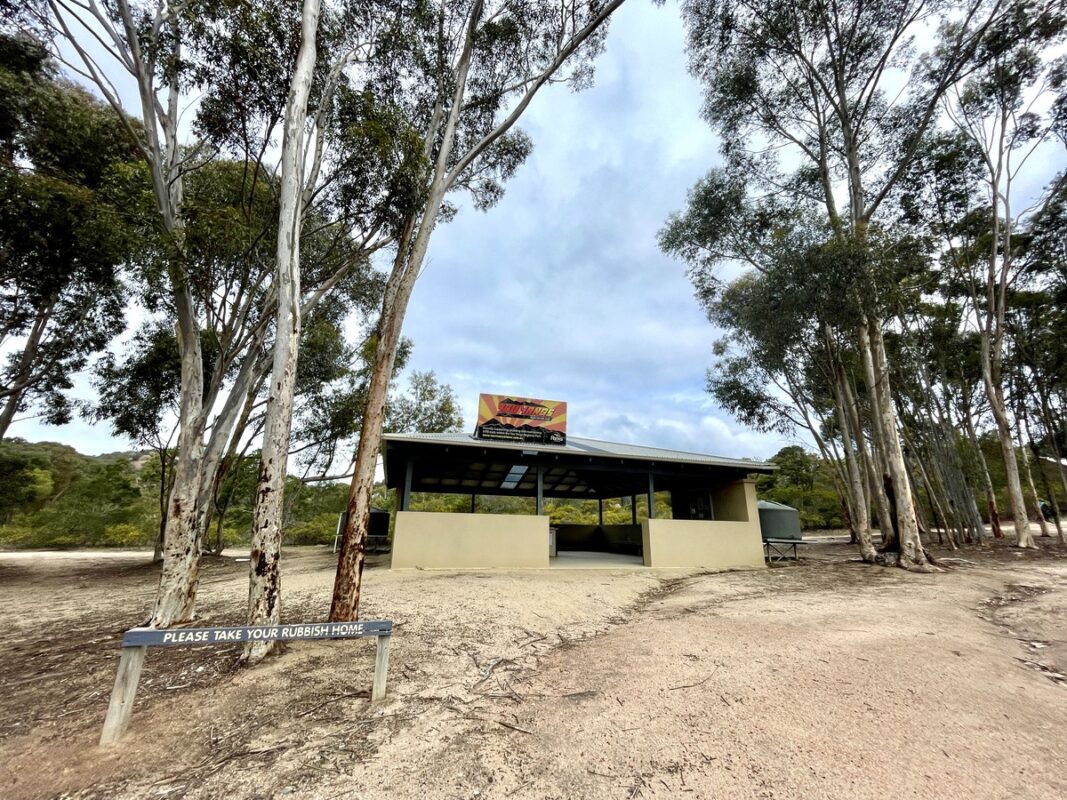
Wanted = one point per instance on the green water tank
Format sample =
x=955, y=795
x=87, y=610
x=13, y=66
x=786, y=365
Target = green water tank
x=778, y=521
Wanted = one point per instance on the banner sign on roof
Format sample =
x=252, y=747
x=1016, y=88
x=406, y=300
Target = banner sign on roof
x=521, y=419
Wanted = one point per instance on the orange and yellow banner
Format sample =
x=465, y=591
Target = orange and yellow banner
x=521, y=419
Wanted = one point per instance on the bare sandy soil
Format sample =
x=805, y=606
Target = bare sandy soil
x=826, y=678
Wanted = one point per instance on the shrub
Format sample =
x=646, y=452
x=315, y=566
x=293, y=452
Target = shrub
x=123, y=535
x=17, y=536
x=319, y=529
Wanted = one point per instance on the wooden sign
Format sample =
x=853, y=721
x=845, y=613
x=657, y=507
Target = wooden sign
x=136, y=641
x=168, y=637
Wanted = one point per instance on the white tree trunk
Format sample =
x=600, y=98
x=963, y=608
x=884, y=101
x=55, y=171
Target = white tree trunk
x=182, y=539
x=179, y=577
x=995, y=395
x=871, y=465
x=406, y=267
x=877, y=466
x=860, y=507
x=264, y=579
x=912, y=555
x=1033, y=489
x=987, y=481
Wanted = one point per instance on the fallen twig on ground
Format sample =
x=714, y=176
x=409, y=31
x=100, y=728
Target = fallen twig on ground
x=488, y=671
x=698, y=683
x=317, y=706
x=513, y=727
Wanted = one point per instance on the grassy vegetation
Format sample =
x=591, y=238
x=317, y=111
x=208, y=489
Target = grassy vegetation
x=53, y=496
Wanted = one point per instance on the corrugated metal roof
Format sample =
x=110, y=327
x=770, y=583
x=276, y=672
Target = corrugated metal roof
x=587, y=447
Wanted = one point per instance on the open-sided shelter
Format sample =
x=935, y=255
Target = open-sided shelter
x=715, y=522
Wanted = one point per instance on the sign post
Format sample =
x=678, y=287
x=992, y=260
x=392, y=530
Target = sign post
x=136, y=641
x=120, y=708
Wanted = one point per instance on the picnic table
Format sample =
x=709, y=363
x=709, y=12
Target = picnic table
x=778, y=549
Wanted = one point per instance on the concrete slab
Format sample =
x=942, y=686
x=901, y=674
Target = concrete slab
x=582, y=559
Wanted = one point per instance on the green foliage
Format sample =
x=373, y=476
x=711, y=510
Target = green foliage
x=124, y=534
x=51, y=496
x=63, y=237
x=54, y=497
x=135, y=394
x=320, y=529
x=106, y=496
x=25, y=481
x=560, y=511
x=428, y=406
x=805, y=482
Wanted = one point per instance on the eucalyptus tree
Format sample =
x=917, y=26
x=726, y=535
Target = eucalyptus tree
x=470, y=71
x=1037, y=314
x=926, y=350
x=137, y=394
x=826, y=104
x=941, y=200
x=264, y=589
x=998, y=109
x=427, y=405
x=63, y=239
x=226, y=69
x=780, y=365
x=785, y=390
x=145, y=41
x=1036, y=329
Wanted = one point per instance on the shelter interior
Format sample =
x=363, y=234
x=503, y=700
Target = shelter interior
x=700, y=487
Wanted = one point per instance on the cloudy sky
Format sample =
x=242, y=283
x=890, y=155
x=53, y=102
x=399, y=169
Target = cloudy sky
x=560, y=291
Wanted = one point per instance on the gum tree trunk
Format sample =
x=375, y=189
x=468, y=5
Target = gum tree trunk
x=912, y=555
x=995, y=395
x=1033, y=489
x=872, y=467
x=991, y=497
x=180, y=574
x=860, y=506
x=406, y=266
x=264, y=579
x=878, y=466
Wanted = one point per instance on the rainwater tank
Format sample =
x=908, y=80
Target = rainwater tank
x=778, y=521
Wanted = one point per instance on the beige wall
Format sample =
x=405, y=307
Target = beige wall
x=730, y=502
x=469, y=541
x=707, y=544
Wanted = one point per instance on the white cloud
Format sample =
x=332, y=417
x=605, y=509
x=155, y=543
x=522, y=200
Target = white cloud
x=561, y=291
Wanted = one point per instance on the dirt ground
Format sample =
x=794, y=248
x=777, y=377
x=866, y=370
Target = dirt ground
x=821, y=679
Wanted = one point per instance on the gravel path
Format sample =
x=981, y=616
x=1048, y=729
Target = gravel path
x=824, y=679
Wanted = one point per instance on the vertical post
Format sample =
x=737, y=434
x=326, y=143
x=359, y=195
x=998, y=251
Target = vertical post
x=540, y=490
x=600, y=512
x=651, y=497
x=474, y=497
x=122, y=696
x=408, y=471
x=381, y=668
x=633, y=509
x=342, y=520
